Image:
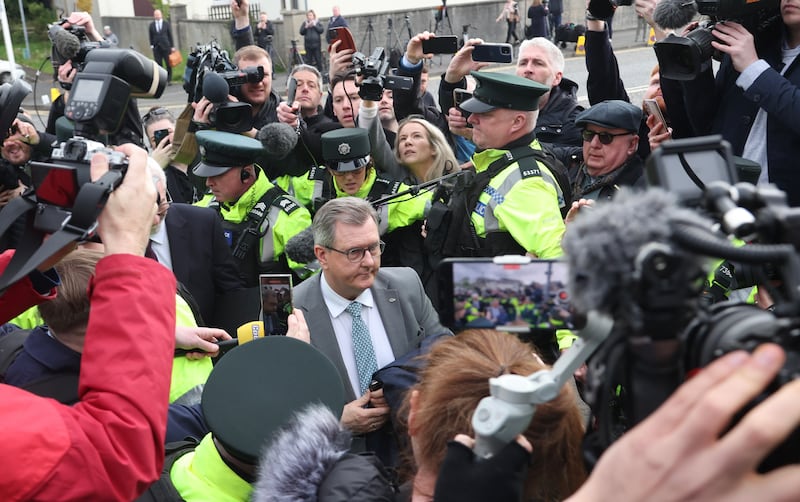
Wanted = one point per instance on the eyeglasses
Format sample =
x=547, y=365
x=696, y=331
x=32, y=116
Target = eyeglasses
x=152, y=114
x=605, y=137
x=355, y=255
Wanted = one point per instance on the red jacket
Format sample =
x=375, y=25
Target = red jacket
x=20, y=296
x=109, y=446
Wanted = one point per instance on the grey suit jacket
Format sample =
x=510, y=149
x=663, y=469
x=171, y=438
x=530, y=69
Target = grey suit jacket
x=407, y=313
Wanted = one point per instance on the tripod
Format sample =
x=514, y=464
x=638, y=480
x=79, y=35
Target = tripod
x=407, y=26
x=440, y=17
x=369, y=36
x=275, y=55
x=392, y=38
x=295, y=58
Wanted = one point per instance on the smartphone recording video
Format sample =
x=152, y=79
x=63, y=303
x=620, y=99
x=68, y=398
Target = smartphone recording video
x=493, y=53
x=276, y=302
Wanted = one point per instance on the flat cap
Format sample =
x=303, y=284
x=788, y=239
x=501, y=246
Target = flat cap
x=614, y=114
x=345, y=149
x=500, y=90
x=221, y=151
x=256, y=388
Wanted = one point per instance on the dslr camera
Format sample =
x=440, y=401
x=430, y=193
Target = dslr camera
x=374, y=71
x=71, y=44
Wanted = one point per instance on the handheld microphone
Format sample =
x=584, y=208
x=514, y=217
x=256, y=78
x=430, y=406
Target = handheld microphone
x=300, y=248
x=250, y=331
x=279, y=140
x=247, y=332
x=215, y=88
x=674, y=14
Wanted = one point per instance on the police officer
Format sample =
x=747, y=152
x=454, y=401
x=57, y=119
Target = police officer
x=350, y=171
x=253, y=391
x=513, y=203
x=258, y=217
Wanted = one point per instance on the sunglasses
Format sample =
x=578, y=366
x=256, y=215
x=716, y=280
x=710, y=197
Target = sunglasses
x=605, y=137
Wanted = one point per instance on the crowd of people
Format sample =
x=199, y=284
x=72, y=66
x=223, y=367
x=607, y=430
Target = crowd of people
x=109, y=388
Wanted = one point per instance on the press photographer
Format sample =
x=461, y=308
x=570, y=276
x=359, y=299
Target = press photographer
x=753, y=100
x=74, y=40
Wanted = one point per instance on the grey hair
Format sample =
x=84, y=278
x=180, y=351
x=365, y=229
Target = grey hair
x=554, y=53
x=308, y=67
x=347, y=210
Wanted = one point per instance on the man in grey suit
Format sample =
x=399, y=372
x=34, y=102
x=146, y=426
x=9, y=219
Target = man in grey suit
x=392, y=309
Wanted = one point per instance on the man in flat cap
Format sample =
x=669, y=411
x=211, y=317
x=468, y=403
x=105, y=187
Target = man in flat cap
x=258, y=217
x=513, y=204
x=610, y=131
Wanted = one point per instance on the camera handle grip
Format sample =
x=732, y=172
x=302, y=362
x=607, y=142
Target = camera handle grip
x=509, y=408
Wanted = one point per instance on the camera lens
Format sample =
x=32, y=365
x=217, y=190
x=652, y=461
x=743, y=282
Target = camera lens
x=505, y=50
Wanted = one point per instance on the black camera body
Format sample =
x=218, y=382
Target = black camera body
x=209, y=59
x=375, y=72
x=685, y=58
x=75, y=48
x=667, y=329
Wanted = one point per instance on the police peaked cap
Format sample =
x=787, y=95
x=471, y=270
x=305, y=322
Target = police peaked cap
x=221, y=151
x=346, y=149
x=499, y=90
x=257, y=387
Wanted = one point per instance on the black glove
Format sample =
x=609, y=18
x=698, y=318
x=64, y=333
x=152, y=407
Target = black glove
x=600, y=9
x=463, y=478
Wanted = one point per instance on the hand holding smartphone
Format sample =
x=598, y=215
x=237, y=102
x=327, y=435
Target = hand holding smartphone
x=654, y=109
x=345, y=36
x=440, y=45
x=459, y=96
x=493, y=53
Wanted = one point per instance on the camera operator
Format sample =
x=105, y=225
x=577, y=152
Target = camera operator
x=131, y=130
x=754, y=100
x=263, y=100
x=116, y=432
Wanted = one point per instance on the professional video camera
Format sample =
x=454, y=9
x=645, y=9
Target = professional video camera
x=374, y=71
x=64, y=201
x=207, y=60
x=652, y=285
x=684, y=58
x=71, y=44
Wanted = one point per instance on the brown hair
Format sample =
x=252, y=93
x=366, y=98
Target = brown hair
x=252, y=53
x=69, y=310
x=456, y=378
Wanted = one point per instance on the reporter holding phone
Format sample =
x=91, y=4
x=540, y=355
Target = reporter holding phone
x=159, y=125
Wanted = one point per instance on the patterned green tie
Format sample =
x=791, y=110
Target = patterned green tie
x=366, y=363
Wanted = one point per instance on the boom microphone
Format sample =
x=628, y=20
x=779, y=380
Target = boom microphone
x=65, y=43
x=674, y=14
x=604, y=245
x=279, y=140
x=300, y=248
x=215, y=88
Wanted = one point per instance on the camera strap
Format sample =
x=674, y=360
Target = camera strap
x=81, y=225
